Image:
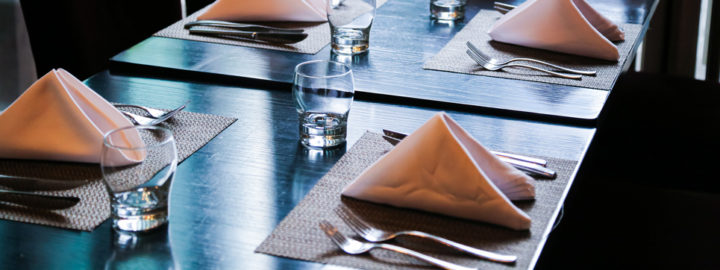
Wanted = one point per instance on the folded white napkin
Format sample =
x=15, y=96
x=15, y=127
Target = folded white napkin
x=60, y=118
x=440, y=168
x=267, y=10
x=567, y=26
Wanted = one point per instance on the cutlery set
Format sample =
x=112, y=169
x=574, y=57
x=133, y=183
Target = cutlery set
x=22, y=185
x=492, y=64
x=376, y=238
x=534, y=167
x=243, y=31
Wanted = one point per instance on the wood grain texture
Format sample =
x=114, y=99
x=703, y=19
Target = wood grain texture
x=229, y=195
x=402, y=39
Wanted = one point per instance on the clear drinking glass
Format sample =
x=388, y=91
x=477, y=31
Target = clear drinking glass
x=138, y=164
x=447, y=10
x=323, y=92
x=350, y=22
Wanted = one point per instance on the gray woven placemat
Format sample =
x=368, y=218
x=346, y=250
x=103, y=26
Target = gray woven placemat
x=191, y=130
x=318, y=35
x=454, y=59
x=299, y=237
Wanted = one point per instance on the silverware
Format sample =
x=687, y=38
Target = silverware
x=270, y=37
x=155, y=113
x=47, y=202
x=503, y=6
x=377, y=235
x=352, y=246
x=531, y=169
x=538, y=161
x=499, y=62
x=493, y=67
x=33, y=183
x=531, y=166
x=240, y=26
x=142, y=120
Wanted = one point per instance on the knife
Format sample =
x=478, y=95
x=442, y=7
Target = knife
x=270, y=37
x=240, y=26
x=32, y=183
x=47, y=202
x=522, y=163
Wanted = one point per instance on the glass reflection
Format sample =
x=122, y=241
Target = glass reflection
x=147, y=250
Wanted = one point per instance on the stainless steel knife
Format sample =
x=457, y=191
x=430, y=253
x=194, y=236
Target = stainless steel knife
x=240, y=26
x=47, y=202
x=33, y=184
x=523, y=163
x=270, y=37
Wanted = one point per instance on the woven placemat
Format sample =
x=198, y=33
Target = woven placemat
x=191, y=130
x=299, y=237
x=318, y=35
x=454, y=59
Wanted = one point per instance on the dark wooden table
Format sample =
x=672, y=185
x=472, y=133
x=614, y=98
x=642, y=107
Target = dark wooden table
x=402, y=39
x=228, y=196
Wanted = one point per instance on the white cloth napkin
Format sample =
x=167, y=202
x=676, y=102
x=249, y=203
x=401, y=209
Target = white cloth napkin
x=60, y=118
x=440, y=168
x=267, y=10
x=567, y=26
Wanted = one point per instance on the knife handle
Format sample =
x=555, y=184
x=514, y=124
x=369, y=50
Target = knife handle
x=32, y=200
x=530, y=168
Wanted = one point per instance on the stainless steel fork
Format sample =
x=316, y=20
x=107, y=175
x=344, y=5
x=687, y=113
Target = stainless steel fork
x=142, y=120
x=493, y=67
x=500, y=62
x=155, y=113
x=352, y=246
x=377, y=235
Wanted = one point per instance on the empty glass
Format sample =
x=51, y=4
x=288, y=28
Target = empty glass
x=138, y=164
x=447, y=10
x=350, y=22
x=323, y=92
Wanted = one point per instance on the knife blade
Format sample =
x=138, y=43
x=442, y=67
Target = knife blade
x=240, y=26
x=529, y=168
x=270, y=37
x=23, y=183
x=47, y=202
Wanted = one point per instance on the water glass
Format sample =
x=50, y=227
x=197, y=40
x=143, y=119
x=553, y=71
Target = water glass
x=138, y=165
x=447, y=10
x=350, y=22
x=323, y=92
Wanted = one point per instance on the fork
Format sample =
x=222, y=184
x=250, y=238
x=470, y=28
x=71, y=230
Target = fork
x=146, y=121
x=354, y=247
x=493, y=67
x=377, y=235
x=155, y=113
x=499, y=62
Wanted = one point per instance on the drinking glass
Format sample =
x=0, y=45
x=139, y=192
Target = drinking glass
x=138, y=165
x=447, y=10
x=323, y=92
x=350, y=22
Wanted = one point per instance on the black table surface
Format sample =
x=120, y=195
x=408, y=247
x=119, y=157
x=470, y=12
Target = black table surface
x=402, y=39
x=228, y=196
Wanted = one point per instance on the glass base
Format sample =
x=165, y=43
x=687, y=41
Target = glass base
x=447, y=10
x=323, y=130
x=350, y=41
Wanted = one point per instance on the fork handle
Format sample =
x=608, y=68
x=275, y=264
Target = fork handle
x=561, y=75
x=492, y=256
x=576, y=71
x=432, y=260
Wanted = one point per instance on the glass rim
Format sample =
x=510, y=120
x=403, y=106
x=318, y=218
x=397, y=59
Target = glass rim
x=145, y=146
x=297, y=67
